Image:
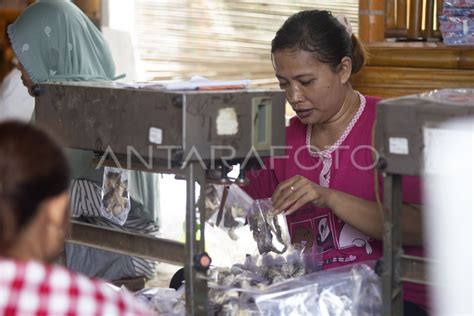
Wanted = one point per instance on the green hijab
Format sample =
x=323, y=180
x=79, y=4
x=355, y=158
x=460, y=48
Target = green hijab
x=55, y=41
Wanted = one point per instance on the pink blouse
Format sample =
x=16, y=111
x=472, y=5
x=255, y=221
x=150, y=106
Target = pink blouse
x=347, y=166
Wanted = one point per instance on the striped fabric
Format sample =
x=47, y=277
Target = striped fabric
x=85, y=198
x=85, y=203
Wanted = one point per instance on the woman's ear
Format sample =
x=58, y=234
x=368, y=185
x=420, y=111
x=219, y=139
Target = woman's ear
x=56, y=213
x=345, y=69
x=57, y=209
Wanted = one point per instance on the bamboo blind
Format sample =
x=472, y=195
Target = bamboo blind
x=218, y=39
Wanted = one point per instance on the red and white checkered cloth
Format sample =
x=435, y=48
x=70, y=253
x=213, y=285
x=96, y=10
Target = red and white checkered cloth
x=32, y=288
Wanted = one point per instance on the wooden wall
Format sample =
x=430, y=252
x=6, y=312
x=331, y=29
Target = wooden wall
x=8, y=14
x=396, y=69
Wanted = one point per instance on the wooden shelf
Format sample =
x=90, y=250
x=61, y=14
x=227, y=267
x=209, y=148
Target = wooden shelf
x=396, y=69
x=9, y=15
x=421, y=55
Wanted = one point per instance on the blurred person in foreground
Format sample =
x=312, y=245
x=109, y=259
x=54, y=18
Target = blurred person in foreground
x=34, y=220
x=55, y=41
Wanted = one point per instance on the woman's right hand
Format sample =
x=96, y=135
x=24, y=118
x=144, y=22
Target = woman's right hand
x=297, y=191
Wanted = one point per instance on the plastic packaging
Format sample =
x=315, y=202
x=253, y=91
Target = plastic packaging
x=270, y=230
x=453, y=96
x=350, y=290
x=212, y=201
x=229, y=287
x=461, y=24
x=164, y=301
x=232, y=213
x=458, y=3
x=468, y=12
x=458, y=38
x=457, y=22
x=115, y=200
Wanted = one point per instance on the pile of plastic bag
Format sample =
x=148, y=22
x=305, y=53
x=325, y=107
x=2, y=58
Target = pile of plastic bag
x=350, y=290
x=457, y=22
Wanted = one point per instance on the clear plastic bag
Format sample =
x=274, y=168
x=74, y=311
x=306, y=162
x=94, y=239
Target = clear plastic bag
x=164, y=301
x=270, y=230
x=212, y=201
x=232, y=213
x=349, y=290
x=453, y=96
x=115, y=198
x=231, y=289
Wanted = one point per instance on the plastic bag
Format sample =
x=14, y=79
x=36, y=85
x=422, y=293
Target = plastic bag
x=349, y=290
x=469, y=12
x=212, y=201
x=164, y=301
x=458, y=3
x=461, y=97
x=456, y=24
x=231, y=288
x=115, y=200
x=457, y=38
x=232, y=213
x=270, y=230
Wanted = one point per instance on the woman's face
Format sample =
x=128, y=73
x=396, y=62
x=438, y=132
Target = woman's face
x=315, y=92
x=25, y=77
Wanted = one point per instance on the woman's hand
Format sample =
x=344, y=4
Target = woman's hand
x=297, y=191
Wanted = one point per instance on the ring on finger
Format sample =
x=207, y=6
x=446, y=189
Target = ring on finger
x=292, y=188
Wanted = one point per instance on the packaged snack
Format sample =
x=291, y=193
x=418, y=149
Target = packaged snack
x=270, y=230
x=226, y=207
x=115, y=201
x=349, y=290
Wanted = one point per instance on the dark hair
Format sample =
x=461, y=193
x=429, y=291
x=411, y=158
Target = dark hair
x=320, y=33
x=32, y=168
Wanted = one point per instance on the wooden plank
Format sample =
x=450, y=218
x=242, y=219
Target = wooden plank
x=415, y=20
x=429, y=18
x=390, y=16
x=402, y=14
x=434, y=56
x=398, y=81
x=372, y=20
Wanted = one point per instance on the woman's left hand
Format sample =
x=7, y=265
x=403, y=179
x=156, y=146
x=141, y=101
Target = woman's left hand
x=297, y=191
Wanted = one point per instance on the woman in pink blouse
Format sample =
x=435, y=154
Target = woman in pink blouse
x=325, y=184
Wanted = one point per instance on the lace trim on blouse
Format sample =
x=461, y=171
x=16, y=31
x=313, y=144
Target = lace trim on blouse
x=326, y=154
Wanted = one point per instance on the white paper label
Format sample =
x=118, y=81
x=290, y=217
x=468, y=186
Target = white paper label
x=155, y=135
x=398, y=145
x=226, y=122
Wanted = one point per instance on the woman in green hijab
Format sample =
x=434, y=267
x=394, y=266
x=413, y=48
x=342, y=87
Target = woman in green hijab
x=55, y=42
